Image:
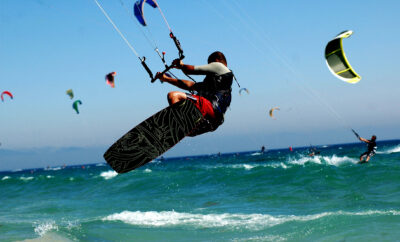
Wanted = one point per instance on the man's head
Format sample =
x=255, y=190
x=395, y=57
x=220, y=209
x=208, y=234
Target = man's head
x=373, y=138
x=217, y=56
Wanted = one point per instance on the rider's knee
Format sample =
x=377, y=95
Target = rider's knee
x=173, y=97
x=170, y=96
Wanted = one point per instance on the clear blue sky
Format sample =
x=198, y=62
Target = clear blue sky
x=275, y=49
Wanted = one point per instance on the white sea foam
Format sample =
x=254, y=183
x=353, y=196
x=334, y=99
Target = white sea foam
x=320, y=160
x=306, y=159
x=328, y=160
x=172, y=218
x=53, y=169
x=26, y=178
x=232, y=221
x=395, y=149
x=147, y=170
x=5, y=178
x=391, y=150
x=73, y=225
x=249, y=166
x=274, y=238
x=108, y=174
x=270, y=164
x=335, y=160
x=277, y=165
x=42, y=228
x=48, y=176
x=245, y=166
x=101, y=164
x=373, y=212
x=257, y=153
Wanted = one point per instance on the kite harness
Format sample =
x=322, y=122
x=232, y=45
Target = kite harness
x=217, y=89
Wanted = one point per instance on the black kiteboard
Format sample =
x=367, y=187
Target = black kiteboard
x=153, y=137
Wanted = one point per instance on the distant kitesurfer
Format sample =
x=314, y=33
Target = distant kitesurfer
x=212, y=96
x=371, y=149
x=262, y=149
x=313, y=151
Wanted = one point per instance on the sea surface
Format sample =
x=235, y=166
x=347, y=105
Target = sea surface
x=275, y=196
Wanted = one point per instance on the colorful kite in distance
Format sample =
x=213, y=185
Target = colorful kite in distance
x=110, y=79
x=70, y=93
x=6, y=93
x=75, y=105
x=271, y=112
x=243, y=89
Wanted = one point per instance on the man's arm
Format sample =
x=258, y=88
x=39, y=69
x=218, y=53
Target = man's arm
x=211, y=68
x=183, y=84
x=364, y=140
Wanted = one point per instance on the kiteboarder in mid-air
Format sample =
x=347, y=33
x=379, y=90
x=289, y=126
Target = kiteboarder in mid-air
x=371, y=144
x=212, y=96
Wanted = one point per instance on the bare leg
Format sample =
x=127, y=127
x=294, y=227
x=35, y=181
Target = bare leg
x=362, y=156
x=176, y=96
x=367, y=158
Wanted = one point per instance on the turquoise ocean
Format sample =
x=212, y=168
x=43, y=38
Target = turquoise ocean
x=249, y=196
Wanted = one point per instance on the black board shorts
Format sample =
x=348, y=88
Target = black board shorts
x=368, y=153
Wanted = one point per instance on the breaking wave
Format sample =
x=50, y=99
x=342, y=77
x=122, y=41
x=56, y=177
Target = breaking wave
x=227, y=220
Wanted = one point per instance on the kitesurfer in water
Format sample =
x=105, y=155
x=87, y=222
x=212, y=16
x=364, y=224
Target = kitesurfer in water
x=371, y=149
x=212, y=96
x=312, y=151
